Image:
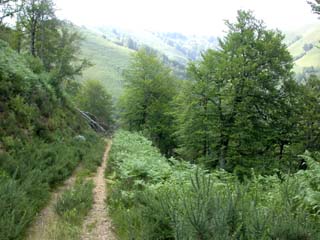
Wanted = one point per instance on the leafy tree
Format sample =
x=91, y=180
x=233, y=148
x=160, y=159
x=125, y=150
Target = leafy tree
x=146, y=103
x=315, y=6
x=309, y=120
x=94, y=98
x=236, y=93
x=195, y=117
x=8, y=8
x=56, y=43
x=33, y=15
x=60, y=53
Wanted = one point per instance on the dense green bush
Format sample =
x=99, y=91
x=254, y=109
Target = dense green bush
x=15, y=211
x=92, y=152
x=33, y=171
x=156, y=198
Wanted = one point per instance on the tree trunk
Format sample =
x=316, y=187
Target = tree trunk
x=224, y=145
x=206, y=130
x=33, y=40
x=281, y=150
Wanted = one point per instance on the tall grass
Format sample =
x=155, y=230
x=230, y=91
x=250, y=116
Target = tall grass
x=75, y=203
x=71, y=208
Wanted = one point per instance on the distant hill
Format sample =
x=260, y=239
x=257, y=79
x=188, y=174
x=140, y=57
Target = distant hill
x=304, y=44
x=177, y=47
x=110, y=48
x=108, y=59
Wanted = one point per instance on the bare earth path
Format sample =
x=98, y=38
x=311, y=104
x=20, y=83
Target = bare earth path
x=40, y=228
x=97, y=225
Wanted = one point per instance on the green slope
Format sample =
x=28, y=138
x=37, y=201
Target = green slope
x=306, y=36
x=108, y=59
x=109, y=50
x=141, y=38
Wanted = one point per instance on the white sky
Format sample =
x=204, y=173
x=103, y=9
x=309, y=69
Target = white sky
x=186, y=16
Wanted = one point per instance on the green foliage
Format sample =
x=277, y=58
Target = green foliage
x=75, y=203
x=15, y=210
x=39, y=147
x=72, y=206
x=33, y=16
x=309, y=184
x=310, y=124
x=137, y=165
x=240, y=110
x=64, y=55
x=315, y=6
x=52, y=45
x=182, y=201
x=146, y=103
x=33, y=171
x=91, y=151
x=94, y=98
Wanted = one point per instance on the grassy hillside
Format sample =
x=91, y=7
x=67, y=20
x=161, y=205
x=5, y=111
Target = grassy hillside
x=141, y=38
x=109, y=50
x=303, y=45
x=108, y=59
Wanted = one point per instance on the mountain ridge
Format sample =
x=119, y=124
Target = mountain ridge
x=110, y=49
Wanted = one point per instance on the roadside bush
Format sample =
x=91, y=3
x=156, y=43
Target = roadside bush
x=16, y=210
x=92, y=152
x=32, y=171
x=157, y=198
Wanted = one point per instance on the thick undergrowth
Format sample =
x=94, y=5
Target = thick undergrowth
x=157, y=198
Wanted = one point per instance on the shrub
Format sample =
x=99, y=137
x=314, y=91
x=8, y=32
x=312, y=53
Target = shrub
x=157, y=198
x=16, y=210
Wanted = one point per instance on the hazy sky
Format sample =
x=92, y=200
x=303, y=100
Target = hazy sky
x=187, y=16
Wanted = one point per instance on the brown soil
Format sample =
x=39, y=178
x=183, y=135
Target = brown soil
x=39, y=229
x=97, y=225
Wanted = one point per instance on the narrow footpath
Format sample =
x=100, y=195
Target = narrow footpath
x=42, y=226
x=97, y=225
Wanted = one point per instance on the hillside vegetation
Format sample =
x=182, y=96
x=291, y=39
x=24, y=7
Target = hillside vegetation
x=39, y=145
x=109, y=49
x=157, y=198
x=304, y=47
x=108, y=59
x=219, y=145
x=232, y=153
x=43, y=136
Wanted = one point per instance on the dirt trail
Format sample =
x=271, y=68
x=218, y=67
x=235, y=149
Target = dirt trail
x=40, y=227
x=97, y=225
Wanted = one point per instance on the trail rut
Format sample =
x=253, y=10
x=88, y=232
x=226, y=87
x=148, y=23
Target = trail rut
x=40, y=227
x=97, y=225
